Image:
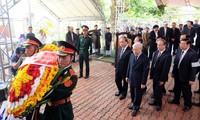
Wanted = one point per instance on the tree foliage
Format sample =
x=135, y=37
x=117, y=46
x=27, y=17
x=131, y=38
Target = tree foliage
x=144, y=8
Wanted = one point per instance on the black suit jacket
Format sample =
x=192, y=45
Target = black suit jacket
x=122, y=63
x=162, y=33
x=138, y=70
x=152, y=38
x=160, y=66
x=69, y=38
x=198, y=38
x=185, y=72
x=175, y=34
x=192, y=33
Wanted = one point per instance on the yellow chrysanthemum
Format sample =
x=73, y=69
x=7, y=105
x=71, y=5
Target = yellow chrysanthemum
x=49, y=47
x=22, y=77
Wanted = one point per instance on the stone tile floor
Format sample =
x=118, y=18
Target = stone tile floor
x=93, y=99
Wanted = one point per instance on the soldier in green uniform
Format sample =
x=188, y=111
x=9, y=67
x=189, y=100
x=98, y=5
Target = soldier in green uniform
x=60, y=107
x=84, y=44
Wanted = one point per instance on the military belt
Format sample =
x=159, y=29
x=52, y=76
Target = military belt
x=59, y=102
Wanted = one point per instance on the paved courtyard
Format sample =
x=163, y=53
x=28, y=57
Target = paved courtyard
x=93, y=99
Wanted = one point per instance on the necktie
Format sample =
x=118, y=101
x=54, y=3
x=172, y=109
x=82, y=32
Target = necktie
x=136, y=57
x=156, y=34
x=158, y=55
x=72, y=36
x=180, y=58
x=121, y=53
x=165, y=32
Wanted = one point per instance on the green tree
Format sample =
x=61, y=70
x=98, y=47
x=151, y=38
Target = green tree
x=145, y=8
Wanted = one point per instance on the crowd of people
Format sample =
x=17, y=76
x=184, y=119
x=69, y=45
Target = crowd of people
x=159, y=46
x=133, y=63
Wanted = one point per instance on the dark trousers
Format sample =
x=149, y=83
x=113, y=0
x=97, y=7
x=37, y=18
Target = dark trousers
x=152, y=49
x=86, y=59
x=154, y=87
x=199, y=77
x=198, y=48
x=74, y=57
x=97, y=45
x=107, y=46
x=121, y=83
x=158, y=93
x=185, y=88
x=136, y=96
x=175, y=47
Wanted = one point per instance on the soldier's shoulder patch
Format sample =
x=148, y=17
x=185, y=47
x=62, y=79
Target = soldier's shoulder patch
x=68, y=83
x=72, y=73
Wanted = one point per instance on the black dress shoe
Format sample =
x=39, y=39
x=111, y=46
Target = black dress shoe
x=122, y=97
x=144, y=91
x=134, y=112
x=186, y=108
x=172, y=90
x=86, y=77
x=80, y=76
x=117, y=94
x=130, y=106
x=174, y=102
x=153, y=103
x=198, y=91
x=158, y=108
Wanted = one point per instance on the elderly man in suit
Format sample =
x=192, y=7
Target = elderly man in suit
x=121, y=68
x=184, y=72
x=160, y=67
x=164, y=32
x=72, y=38
x=174, y=38
x=137, y=73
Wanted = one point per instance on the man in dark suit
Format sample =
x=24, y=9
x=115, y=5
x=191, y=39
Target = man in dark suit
x=72, y=39
x=160, y=67
x=121, y=68
x=174, y=38
x=136, y=76
x=97, y=44
x=164, y=32
x=197, y=45
x=154, y=34
x=184, y=72
x=189, y=30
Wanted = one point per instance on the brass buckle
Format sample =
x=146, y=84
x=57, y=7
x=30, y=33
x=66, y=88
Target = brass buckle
x=49, y=103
